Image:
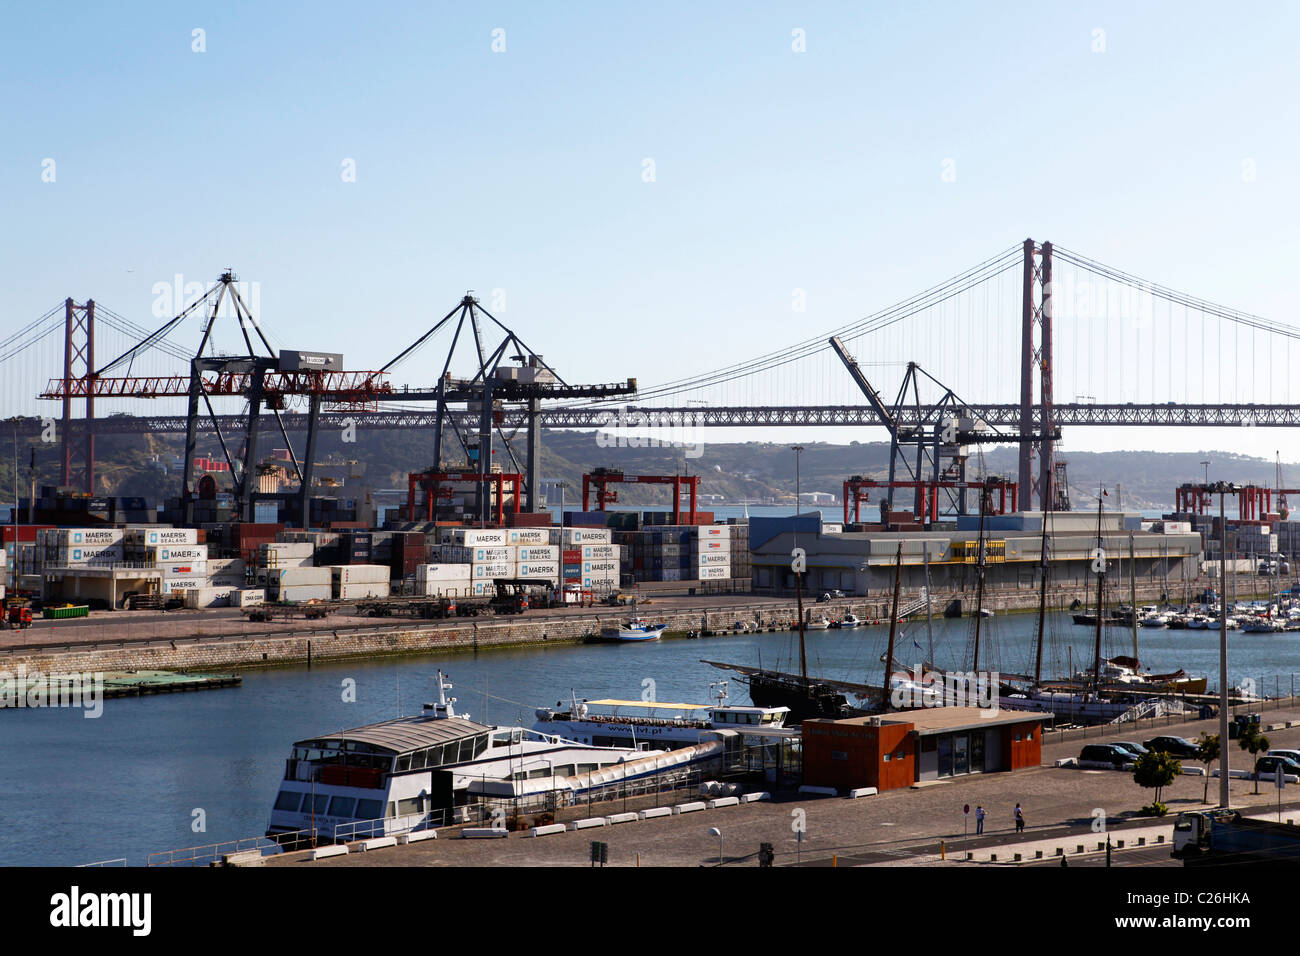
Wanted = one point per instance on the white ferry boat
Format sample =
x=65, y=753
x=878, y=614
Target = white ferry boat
x=417, y=772
x=640, y=723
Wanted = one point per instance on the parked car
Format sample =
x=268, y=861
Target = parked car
x=1180, y=747
x=1272, y=763
x=1136, y=749
x=823, y=597
x=1288, y=754
x=837, y=593
x=1117, y=757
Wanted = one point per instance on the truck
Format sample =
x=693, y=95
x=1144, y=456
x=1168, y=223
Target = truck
x=16, y=616
x=1226, y=838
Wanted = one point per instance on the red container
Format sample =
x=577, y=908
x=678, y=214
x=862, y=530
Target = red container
x=571, y=555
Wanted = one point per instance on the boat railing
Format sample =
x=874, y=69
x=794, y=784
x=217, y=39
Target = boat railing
x=118, y=862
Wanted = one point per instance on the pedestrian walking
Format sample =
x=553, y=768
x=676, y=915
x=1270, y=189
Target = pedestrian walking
x=1020, y=819
x=979, y=820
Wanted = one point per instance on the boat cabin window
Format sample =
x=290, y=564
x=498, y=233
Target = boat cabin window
x=318, y=804
x=392, y=808
x=587, y=767
x=564, y=770
x=342, y=806
x=370, y=809
x=538, y=773
x=411, y=805
x=771, y=718
x=403, y=762
x=288, y=801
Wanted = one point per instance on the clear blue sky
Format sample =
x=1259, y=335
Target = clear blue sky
x=522, y=170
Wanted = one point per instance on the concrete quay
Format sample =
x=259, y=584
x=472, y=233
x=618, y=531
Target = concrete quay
x=1062, y=807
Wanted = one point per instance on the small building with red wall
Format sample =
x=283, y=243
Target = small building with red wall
x=896, y=750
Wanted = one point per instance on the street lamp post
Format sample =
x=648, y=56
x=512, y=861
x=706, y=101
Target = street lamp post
x=1223, y=488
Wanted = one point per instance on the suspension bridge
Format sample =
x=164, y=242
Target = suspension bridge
x=1030, y=341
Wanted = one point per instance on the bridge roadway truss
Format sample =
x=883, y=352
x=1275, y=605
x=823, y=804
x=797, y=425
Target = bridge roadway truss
x=761, y=416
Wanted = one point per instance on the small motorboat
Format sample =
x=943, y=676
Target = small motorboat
x=633, y=630
x=820, y=624
x=850, y=620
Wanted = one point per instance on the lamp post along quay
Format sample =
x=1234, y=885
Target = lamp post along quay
x=1222, y=489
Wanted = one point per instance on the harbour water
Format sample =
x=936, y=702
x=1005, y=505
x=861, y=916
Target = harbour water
x=150, y=771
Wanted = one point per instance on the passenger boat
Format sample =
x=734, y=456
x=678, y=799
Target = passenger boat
x=412, y=773
x=850, y=620
x=641, y=724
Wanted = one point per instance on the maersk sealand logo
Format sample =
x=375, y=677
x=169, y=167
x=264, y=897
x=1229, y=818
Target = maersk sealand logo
x=76, y=537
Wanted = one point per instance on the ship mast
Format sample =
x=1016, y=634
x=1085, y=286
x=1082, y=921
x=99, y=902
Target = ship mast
x=1101, y=577
x=893, y=629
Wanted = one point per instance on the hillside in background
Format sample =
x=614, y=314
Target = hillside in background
x=145, y=465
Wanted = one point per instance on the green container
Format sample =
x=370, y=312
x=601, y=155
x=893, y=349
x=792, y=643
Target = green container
x=61, y=613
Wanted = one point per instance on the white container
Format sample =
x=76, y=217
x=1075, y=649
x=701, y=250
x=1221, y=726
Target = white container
x=536, y=536
x=180, y=585
x=170, y=554
x=539, y=552
x=154, y=537
x=572, y=537
x=303, y=592
x=539, y=569
x=435, y=588
x=295, y=577
x=248, y=597
x=198, y=569
x=606, y=552
x=599, y=568
x=712, y=560
x=476, y=537
x=443, y=572
x=507, y=554
x=362, y=589
x=714, y=572
x=87, y=537
x=360, y=573
x=92, y=554
x=714, y=532
x=493, y=569
x=711, y=547
x=288, y=549
x=199, y=598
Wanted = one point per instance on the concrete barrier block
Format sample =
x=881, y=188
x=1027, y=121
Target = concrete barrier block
x=377, y=843
x=755, y=797
x=862, y=792
x=547, y=830
x=818, y=791
x=614, y=818
x=1193, y=771
x=484, y=833
x=588, y=823
x=655, y=812
x=324, y=852
x=243, y=858
x=723, y=802
x=690, y=807
x=419, y=836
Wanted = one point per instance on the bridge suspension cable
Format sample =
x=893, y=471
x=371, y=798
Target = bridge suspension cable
x=981, y=273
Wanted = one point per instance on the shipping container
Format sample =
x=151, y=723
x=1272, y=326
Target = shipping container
x=248, y=597
x=359, y=573
x=296, y=594
x=361, y=589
